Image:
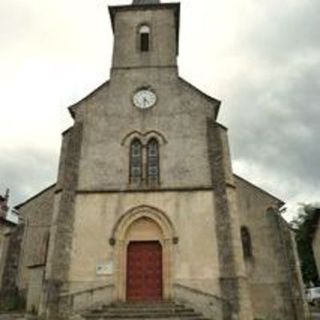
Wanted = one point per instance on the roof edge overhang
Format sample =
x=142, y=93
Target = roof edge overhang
x=280, y=202
x=133, y=7
x=18, y=206
x=211, y=99
x=5, y=221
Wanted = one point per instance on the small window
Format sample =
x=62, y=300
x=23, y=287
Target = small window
x=136, y=161
x=144, y=33
x=246, y=242
x=153, y=161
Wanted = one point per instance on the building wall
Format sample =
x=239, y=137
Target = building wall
x=10, y=297
x=109, y=117
x=95, y=167
x=194, y=257
x=274, y=278
x=5, y=231
x=163, y=38
x=35, y=217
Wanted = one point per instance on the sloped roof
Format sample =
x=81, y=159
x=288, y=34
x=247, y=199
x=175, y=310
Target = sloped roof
x=248, y=183
x=6, y=222
x=18, y=206
x=146, y=2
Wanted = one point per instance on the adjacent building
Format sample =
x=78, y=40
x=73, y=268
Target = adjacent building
x=6, y=229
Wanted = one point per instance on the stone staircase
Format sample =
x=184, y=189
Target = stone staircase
x=134, y=311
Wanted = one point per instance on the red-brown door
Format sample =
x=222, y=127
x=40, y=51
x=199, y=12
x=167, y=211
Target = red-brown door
x=144, y=271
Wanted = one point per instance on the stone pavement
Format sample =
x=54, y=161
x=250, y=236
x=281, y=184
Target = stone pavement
x=12, y=316
x=315, y=315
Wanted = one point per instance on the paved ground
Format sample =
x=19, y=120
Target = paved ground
x=11, y=316
x=315, y=316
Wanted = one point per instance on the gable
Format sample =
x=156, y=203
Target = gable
x=247, y=189
x=91, y=97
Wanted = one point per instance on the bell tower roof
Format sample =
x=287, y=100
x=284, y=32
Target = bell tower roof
x=143, y=2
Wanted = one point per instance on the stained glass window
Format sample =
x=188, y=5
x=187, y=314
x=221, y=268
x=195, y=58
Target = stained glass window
x=136, y=161
x=153, y=161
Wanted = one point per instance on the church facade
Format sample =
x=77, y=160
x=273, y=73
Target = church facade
x=146, y=206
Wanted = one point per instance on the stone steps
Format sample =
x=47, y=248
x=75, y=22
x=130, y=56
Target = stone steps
x=130, y=311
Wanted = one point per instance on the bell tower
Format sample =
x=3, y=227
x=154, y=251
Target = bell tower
x=146, y=34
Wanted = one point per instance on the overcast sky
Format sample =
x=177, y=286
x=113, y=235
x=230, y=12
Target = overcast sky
x=261, y=58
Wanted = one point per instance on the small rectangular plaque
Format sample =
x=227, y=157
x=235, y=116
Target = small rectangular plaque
x=104, y=268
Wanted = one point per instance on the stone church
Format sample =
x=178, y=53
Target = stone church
x=146, y=207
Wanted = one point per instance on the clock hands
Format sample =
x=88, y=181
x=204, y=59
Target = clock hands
x=145, y=101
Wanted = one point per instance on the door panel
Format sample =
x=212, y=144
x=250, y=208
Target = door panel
x=144, y=271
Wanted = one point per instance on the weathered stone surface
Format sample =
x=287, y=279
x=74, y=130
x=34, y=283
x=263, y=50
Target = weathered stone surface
x=6, y=229
x=231, y=268
x=35, y=222
x=61, y=232
x=274, y=277
x=11, y=296
x=12, y=316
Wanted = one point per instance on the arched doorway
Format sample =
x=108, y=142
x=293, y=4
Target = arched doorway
x=143, y=241
x=144, y=280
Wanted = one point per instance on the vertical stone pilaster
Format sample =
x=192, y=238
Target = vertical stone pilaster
x=233, y=282
x=60, y=245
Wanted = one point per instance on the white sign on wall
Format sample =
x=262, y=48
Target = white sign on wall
x=104, y=268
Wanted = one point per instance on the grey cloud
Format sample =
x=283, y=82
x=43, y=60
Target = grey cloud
x=273, y=109
x=26, y=172
x=286, y=33
x=280, y=126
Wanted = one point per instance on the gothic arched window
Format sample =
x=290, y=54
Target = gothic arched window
x=153, y=161
x=144, y=34
x=246, y=242
x=136, y=161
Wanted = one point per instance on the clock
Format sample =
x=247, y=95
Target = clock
x=144, y=99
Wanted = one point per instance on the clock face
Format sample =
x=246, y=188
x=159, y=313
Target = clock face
x=144, y=99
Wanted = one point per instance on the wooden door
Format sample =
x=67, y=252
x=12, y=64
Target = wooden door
x=144, y=271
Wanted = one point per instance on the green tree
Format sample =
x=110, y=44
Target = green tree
x=305, y=225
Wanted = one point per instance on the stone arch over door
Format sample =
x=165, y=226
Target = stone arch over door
x=143, y=223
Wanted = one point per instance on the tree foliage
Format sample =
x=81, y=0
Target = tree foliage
x=305, y=225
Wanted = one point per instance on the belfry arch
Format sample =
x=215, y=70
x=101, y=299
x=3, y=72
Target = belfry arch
x=142, y=224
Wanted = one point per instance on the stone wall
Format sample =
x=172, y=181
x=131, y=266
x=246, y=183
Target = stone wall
x=163, y=36
x=180, y=116
x=194, y=257
x=11, y=296
x=34, y=222
x=5, y=231
x=275, y=281
x=62, y=226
